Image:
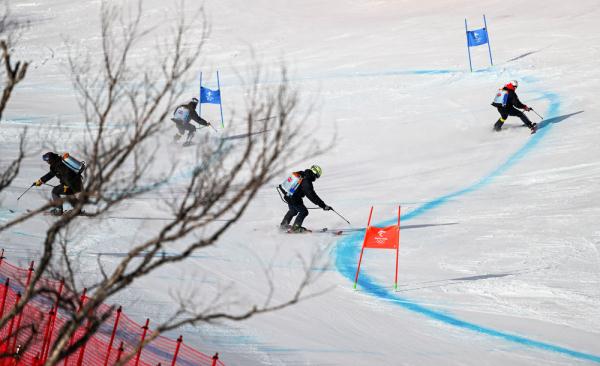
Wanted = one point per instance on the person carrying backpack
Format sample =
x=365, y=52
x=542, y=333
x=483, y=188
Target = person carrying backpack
x=507, y=102
x=182, y=116
x=294, y=189
x=68, y=171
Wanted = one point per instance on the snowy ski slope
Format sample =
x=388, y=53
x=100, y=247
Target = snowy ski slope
x=500, y=240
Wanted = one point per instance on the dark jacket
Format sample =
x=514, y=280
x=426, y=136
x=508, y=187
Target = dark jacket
x=511, y=101
x=191, y=106
x=307, y=189
x=66, y=176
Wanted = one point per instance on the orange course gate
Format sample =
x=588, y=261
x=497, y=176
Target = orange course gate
x=381, y=238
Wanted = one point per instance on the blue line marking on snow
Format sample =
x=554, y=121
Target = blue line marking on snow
x=401, y=72
x=347, y=251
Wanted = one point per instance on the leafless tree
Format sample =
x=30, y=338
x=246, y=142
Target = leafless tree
x=11, y=75
x=8, y=174
x=12, y=72
x=126, y=162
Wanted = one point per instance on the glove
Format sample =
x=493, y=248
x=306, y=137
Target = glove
x=327, y=208
x=38, y=183
x=527, y=109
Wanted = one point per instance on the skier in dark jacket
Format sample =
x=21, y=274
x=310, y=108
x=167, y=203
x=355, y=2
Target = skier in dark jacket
x=295, y=202
x=507, y=102
x=70, y=182
x=182, y=116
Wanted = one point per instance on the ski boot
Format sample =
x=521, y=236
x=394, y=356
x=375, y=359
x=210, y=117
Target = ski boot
x=285, y=227
x=533, y=128
x=297, y=229
x=56, y=211
x=188, y=140
x=177, y=137
x=498, y=125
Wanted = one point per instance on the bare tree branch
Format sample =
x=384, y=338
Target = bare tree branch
x=9, y=173
x=13, y=72
x=128, y=162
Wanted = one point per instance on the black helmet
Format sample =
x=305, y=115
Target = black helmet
x=49, y=156
x=194, y=100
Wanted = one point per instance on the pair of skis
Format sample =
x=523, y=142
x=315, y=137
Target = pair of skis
x=66, y=212
x=535, y=125
x=319, y=231
x=533, y=130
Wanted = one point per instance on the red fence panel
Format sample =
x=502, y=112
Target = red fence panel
x=29, y=335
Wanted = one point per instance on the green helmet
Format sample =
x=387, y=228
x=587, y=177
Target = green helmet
x=317, y=170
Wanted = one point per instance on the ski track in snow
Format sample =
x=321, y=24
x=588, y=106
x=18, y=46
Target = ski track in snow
x=347, y=250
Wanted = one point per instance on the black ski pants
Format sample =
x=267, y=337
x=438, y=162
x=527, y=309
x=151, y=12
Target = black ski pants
x=512, y=111
x=295, y=207
x=62, y=190
x=185, y=126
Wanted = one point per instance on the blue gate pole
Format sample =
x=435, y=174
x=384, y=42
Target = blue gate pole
x=488, y=39
x=200, y=98
x=220, y=100
x=468, y=49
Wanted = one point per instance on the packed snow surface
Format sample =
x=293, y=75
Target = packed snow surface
x=499, y=254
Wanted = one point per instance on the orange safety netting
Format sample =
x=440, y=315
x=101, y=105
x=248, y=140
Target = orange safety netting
x=40, y=322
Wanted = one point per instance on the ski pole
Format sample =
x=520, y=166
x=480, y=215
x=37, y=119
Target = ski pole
x=213, y=127
x=537, y=113
x=27, y=190
x=341, y=216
